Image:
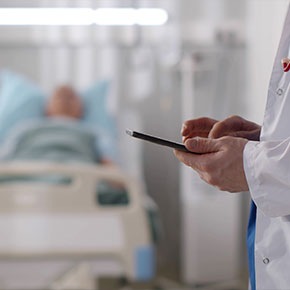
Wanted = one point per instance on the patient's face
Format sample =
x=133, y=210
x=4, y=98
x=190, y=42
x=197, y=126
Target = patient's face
x=64, y=102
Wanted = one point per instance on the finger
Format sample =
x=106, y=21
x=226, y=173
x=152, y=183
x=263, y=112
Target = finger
x=231, y=124
x=197, y=125
x=189, y=159
x=202, y=145
x=203, y=134
x=250, y=135
x=222, y=128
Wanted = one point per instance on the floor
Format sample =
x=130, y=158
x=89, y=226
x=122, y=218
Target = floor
x=166, y=284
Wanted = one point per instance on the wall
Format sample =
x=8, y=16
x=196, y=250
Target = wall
x=264, y=26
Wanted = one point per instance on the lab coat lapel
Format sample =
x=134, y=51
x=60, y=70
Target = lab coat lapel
x=282, y=52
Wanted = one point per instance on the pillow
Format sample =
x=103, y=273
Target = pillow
x=95, y=106
x=20, y=100
x=97, y=117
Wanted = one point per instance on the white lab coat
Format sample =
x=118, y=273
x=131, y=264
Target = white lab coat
x=267, y=168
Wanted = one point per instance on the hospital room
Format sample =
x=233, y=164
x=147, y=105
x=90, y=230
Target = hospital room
x=89, y=201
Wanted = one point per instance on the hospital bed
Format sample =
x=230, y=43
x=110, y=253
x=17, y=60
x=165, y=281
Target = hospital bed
x=56, y=234
x=47, y=231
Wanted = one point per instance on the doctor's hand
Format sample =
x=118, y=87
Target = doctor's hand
x=221, y=163
x=234, y=126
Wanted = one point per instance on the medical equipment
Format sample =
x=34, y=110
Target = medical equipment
x=48, y=229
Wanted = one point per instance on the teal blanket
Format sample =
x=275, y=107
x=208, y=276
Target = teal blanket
x=60, y=140
x=64, y=141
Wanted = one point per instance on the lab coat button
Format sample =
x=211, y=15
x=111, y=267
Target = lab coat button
x=266, y=261
x=279, y=92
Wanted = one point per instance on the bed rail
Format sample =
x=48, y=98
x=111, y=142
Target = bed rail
x=64, y=221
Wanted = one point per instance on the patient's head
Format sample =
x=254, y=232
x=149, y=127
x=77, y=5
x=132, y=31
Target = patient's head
x=65, y=102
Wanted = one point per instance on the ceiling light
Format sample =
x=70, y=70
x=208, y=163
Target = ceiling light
x=46, y=16
x=82, y=16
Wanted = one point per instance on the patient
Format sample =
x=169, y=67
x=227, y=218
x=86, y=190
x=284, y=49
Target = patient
x=64, y=102
x=60, y=136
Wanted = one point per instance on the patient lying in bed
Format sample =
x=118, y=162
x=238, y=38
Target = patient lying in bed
x=60, y=137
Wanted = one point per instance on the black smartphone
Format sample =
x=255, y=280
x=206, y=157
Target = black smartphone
x=157, y=140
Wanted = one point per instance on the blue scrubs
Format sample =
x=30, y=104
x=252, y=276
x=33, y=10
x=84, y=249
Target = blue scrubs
x=251, y=245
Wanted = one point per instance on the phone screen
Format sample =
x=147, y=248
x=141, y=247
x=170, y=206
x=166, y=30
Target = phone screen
x=157, y=140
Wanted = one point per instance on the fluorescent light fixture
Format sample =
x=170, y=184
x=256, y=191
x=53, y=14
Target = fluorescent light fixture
x=151, y=16
x=115, y=16
x=46, y=16
x=82, y=16
x=130, y=16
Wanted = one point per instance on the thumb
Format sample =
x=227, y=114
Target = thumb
x=202, y=145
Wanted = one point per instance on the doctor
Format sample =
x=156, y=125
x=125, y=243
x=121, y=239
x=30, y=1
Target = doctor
x=240, y=155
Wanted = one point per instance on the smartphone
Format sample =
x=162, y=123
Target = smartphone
x=157, y=140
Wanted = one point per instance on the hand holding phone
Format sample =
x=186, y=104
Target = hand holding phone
x=159, y=141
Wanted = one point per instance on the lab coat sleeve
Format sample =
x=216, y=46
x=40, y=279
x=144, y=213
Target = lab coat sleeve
x=267, y=169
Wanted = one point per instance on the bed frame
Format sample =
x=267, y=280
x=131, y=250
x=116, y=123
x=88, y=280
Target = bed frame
x=48, y=231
